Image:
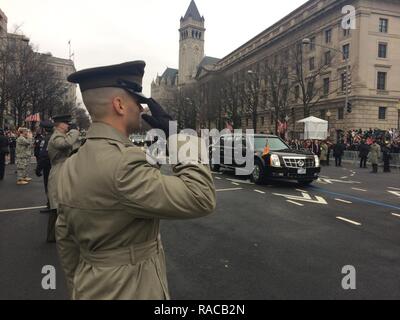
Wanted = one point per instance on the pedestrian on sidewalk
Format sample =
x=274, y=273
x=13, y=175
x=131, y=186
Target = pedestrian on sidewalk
x=23, y=156
x=3, y=151
x=12, y=143
x=338, y=152
x=363, y=154
x=374, y=156
x=324, y=153
x=386, y=157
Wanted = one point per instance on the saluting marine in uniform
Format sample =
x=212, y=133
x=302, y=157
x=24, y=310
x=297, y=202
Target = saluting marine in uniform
x=61, y=144
x=44, y=165
x=23, y=156
x=111, y=200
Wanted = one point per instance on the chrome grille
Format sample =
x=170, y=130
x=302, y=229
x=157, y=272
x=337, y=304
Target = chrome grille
x=299, y=163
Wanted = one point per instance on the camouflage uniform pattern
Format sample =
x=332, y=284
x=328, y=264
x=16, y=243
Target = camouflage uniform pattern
x=23, y=156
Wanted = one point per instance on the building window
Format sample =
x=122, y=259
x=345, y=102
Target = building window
x=346, y=51
x=328, y=36
x=343, y=81
x=382, y=50
x=312, y=43
x=340, y=113
x=312, y=63
x=326, y=86
x=322, y=114
x=382, y=80
x=382, y=113
x=328, y=58
x=262, y=121
x=346, y=32
x=383, y=25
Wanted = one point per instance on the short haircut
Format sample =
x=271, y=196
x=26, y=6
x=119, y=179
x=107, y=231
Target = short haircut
x=98, y=101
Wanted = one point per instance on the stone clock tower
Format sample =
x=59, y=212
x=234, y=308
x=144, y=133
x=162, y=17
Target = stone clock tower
x=191, y=44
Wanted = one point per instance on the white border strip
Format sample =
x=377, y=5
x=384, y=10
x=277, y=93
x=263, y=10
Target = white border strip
x=349, y=221
x=22, y=209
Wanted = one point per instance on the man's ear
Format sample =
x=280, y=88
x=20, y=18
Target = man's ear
x=118, y=106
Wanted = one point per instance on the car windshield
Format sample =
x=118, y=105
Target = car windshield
x=275, y=144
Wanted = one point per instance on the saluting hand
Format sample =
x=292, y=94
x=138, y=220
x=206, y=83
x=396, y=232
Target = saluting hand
x=159, y=119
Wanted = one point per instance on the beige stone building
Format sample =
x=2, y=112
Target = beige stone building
x=372, y=48
x=165, y=88
x=63, y=68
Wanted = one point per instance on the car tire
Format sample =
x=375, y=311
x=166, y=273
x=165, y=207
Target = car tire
x=258, y=175
x=215, y=167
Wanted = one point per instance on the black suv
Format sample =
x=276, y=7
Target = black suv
x=273, y=158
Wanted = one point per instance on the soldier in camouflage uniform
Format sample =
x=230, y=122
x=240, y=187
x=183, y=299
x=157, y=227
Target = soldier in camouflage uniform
x=23, y=156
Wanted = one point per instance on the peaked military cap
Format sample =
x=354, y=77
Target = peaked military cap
x=127, y=76
x=64, y=118
x=48, y=125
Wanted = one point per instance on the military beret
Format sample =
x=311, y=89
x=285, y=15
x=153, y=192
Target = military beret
x=127, y=76
x=47, y=124
x=63, y=118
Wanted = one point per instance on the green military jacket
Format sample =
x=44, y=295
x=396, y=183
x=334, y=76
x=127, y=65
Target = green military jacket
x=59, y=149
x=24, y=148
x=111, y=201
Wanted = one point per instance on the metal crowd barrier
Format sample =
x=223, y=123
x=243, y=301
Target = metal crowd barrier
x=352, y=157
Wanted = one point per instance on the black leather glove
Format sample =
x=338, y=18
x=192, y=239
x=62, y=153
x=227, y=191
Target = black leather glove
x=38, y=172
x=73, y=126
x=159, y=118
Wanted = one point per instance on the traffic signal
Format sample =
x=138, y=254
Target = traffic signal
x=349, y=107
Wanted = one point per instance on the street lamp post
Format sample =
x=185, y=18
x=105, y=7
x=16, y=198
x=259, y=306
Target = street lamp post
x=307, y=41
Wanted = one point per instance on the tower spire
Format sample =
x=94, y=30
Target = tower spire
x=193, y=12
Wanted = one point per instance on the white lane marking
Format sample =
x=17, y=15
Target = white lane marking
x=305, y=198
x=394, y=188
x=357, y=189
x=301, y=190
x=218, y=178
x=349, y=221
x=235, y=184
x=262, y=192
x=217, y=173
x=241, y=181
x=396, y=193
x=396, y=215
x=344, y=177
x=22, y=209
x=296, y=203
x=344, y=201
x=231, y=189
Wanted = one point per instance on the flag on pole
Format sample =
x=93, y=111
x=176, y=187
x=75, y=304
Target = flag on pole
x=33, y=118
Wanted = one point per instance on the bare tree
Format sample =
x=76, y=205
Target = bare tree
x=276, y=86
x=307, y=78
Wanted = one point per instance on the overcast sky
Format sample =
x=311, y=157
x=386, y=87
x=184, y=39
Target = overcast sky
x=109, y=32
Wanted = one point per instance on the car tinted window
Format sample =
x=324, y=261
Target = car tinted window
x=275, y=144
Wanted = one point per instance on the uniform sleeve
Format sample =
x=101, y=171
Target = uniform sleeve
x=68, y=251
x=188, y=194
x=60, y=142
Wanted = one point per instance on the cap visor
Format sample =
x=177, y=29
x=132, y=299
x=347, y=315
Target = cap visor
x=142, y=98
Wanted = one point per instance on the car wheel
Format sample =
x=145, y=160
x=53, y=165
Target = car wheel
x=258, y=175
x=215, y=167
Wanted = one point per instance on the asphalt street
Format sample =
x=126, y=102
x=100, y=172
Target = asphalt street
x=276, y=241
